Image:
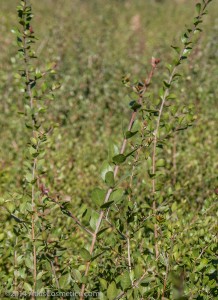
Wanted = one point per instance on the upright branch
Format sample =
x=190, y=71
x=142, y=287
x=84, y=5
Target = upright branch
x=32, y=112
x=165, y=94
x=141, y=89
x=27, y=35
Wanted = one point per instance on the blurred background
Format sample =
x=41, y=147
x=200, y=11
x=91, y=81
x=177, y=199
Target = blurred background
x=95, y=43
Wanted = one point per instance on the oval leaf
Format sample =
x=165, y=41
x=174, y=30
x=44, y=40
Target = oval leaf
x=85, y=254
x=119, y=159
x=109, y=179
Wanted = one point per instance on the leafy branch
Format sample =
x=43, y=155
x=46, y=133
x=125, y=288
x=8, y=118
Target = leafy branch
x=141, y=89
x=165, y=94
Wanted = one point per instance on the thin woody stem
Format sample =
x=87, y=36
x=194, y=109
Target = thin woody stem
x=30, y=95
x=129, y=253
x=68, y=213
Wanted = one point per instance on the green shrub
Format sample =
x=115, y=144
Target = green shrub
x=147, y=231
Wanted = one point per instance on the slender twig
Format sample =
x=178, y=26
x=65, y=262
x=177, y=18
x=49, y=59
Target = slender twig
x=130, y=185
x=116, y=169
x=112, y=226
x=202, y=252
x=68, y=213
x=55, y=276
x=129, y=253
x=30, y=94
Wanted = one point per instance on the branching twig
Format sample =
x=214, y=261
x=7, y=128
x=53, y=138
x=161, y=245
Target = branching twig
x=116, y=169
x=68, y=213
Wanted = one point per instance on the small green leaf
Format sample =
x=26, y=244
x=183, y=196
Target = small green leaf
x=138, y=271
x=171, y=96
x=112, y=150
x=184, y=39
x=2, y=235
x=2, y=200
x=27, y=287
x=151, y=111
x=33, y=141
x=177, y=49
x=38, y=73
x=29, y=177
x=117, y=195
x=112, y=291
x=29, y=263
x=210, y=270
x=166, y=84
x=64, y=281
x=107, y=204
x=198, y=30
x=77, y=275
x=98, y=196
x=109, y=179
x=39, y=275
x=94, y=219
x=103, y=283
x=10, y=206
x=85, y=254
x=125, y=280
x=130, y=134
x=119, y=159
x=198, y=8
x=102, y=230
x=134, y=105
x=176, y=75
x=187, y=50
x=161, y=92
x=202, y=264
x=106, y=167
x=17, y=75
x=160, y=162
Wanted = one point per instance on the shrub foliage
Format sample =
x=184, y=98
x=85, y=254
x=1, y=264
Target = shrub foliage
x=148, y=228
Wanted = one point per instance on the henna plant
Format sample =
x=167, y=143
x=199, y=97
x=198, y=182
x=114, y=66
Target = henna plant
x=36, y=95
x=132, y=252
x=111, y=174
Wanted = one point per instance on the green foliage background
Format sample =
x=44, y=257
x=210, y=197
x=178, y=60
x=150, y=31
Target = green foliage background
x=100, y=34
x=94, y=44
